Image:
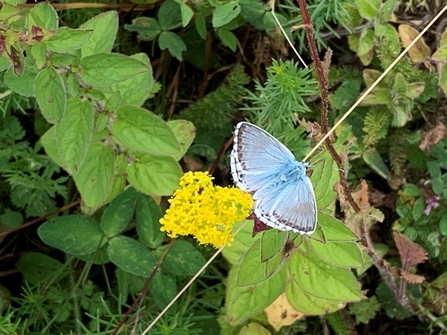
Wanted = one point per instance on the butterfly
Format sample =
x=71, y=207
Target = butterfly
x=282, y=192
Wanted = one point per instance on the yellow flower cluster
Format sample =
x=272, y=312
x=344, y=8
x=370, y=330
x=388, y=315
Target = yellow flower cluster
x=205, y=211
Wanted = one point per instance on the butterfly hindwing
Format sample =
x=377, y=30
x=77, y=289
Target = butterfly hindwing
x=283, y=194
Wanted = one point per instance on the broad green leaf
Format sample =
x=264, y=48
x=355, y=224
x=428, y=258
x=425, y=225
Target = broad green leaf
x=418, y=208
x=200, y=24
x=343, y=254
x=247, y=301
x=322, y=280
x=8, y=10
x=227, y=38
x=366, y=42
x=47, y=14
x=107, y=69
x=73, y=234
x=375, y=161
x=134, y=91
x=99, y=257
x=163, y=289
x=39, y=268
x=49, y=142
x=242, y=241
x=412, y=190
x=38, y=52
x=75, y=132
x=309, y=304
x=172, y=42
x=50, y=94
x=11, y=219
x=169, y=15
x=183, y=259
x=24, y=85
x=272, y=243
x=105, y=27
x=148, y=215
x=335, y=230
x=443, y=225
x=250, y=270
x=147, y=28
x=252, y=12
x=119, y=212
x=186, y=11
x=324, y=177
x=67, y=39
x=225, y=13
x=387, y=9
x=131, y=256
x=368, y=8
x=155, y=175
x=141, y=130
x=95, y=175
x=185, y=132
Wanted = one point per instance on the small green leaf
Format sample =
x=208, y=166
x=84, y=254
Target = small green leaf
x=200, y=24
x=47, y=14
x=172, y=42
x=373, y=159
x=24, y=85
x=186, y=11
x=169, y=15
x=154, y=175
x=50, y=94
x=67, y=39
x=183, y=259
x=49, y=142
x=443, y=225
x=412, y=190
x=368, y=8
x=185, y=132
x=131, y=256
x=38, y=52
x=75, y=132
x=366, y=42
x=94, y=177
x=163, y=289
x=250, y=271
x=272, y=243
x=225, y=13
x=73, y=234
x=252, y=12
x=443, y=77
x=38, y=268
x=342, y=254
x=107, y=69
x=148, y=215
x=141, y=130
x=411, y=233
x=119, y=212
x=418, y=208
x=105, y=27
x=11, y=219
x=8, y=10
x=228, y=38
x=147, y=28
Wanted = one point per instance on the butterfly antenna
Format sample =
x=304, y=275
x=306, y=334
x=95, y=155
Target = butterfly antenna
x=329, y=133
x=272, y=6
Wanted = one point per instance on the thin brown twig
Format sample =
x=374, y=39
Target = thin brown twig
x=143, y=291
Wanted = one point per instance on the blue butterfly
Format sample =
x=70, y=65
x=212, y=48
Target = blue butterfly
x=282, y=192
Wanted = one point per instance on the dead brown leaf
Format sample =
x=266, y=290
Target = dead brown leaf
x=433, y=136
x=411, y=277
x=281, y=313
x=419, y=51
x=410, y=253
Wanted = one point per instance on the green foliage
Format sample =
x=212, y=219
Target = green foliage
x=364, y=311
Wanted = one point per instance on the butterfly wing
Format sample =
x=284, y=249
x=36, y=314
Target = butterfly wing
x=289, y=206
x=257, y=157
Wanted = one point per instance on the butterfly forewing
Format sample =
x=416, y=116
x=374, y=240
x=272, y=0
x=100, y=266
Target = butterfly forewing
x=283, y=194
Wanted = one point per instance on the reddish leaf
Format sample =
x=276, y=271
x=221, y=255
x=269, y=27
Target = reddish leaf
x=410, y=252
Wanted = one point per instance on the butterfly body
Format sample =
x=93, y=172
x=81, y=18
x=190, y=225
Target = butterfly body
x=283, y=194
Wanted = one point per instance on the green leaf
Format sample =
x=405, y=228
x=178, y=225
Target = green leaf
x=105, y=27
x=200, y=24
x=227, y=38
x=8, y=10
x=73, y=234
x=49, y=142
x=11, y=219
x=38, y=268
x=253, y=12
x=315, y=277
x=47, y=14
x=38, y=52
x=225, y=13
x=335, y=230
x=250, y=271
x=366, y=42
x=154, y=175
x=172, y=42
x=147, y=28
x=443, y=225
x=50, y=94
x=342, y=254
x=99, y=257
x=169, y=15
x=443, y=77
x=324, y=173
x=309, y=304
x=186, y=11
x=412, y=190
x=75, y=132
x=247, y=301
x=107, y=69
x=242, y=241
x=148, y=215
x=131, y=256
x=141, y=130
x=119, y=212
x=24, y=84
x=67, y=40
x=375, y=161
x=185, y=132
x=183, y=259
x=163, y=289
x=95, y=175
x=418, y=208
x=368, y=8
x=272, y=243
